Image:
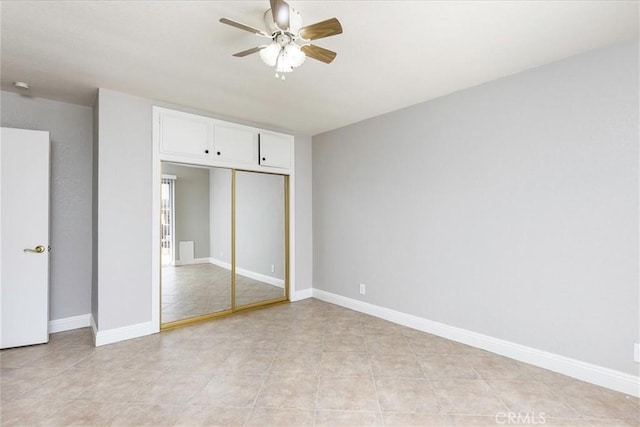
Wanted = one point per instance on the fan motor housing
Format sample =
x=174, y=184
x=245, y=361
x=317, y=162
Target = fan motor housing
x=295, y=22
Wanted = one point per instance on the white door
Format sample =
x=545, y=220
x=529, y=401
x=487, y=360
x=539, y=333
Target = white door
x=24, y=237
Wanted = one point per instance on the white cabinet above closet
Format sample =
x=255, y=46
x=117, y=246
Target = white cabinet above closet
x=185, y=135
x=236, y=144
x=275, y=150
x=190, y=138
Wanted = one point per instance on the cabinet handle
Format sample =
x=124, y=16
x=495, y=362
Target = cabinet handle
x=264, y=158
x=206, y=151
x=218, y=153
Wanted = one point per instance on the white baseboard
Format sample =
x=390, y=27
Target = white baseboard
x=300, y=295
x=111, y=336
x=193, y=261
x=69, y=323
x=594, y=374
x=250, y=274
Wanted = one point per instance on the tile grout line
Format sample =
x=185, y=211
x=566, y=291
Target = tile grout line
x=315, y=407
x=373, y=379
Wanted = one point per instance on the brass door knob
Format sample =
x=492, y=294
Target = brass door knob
x=38, y=249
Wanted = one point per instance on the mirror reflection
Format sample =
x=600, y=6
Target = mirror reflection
x=196, y=241
x=260, y=237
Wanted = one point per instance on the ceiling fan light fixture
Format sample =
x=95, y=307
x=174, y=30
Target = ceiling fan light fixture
x=290, y=57
x=269, y=54
x=285, y=26
x=293, y=55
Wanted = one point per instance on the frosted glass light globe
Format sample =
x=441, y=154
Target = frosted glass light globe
x=270, y=54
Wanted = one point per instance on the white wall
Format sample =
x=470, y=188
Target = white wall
x=508, y=209
x=70, y=128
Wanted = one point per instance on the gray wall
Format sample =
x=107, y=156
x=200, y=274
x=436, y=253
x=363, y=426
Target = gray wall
x=259, y=220
x=220, y=197
x=124, y=216
x=303, y=213
x=509, y=209
x=71, y=130
x=94, y=214
x=260, y=223
x=192, y=207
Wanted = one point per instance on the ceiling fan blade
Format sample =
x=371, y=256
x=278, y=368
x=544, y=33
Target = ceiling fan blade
x=330, y=27
x=244, y=27
x=248, y=51
x=319, y=53
x=280, y=12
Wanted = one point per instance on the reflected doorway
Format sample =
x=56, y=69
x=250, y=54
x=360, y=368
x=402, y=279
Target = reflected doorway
x=167, y=242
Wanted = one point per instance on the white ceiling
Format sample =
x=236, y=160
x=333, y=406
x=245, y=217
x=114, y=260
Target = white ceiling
x=392, y=54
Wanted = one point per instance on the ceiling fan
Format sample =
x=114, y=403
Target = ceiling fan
x=289, y=39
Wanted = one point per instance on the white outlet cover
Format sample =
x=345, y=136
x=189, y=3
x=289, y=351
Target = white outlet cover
x=362, y=288
x=636, y=352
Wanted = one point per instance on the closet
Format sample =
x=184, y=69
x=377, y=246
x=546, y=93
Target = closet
x=224, y=216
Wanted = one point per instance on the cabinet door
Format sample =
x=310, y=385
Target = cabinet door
x=185, y=134
x=276, y=150
x=236, y=144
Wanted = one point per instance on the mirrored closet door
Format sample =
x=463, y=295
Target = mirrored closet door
x=259, y=238
x=224, y=241
x=196, y=241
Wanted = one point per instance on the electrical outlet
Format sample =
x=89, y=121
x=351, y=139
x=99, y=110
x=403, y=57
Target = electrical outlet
x=363, y=289
x=220, y=254
x=273, y=268
x=636, y=352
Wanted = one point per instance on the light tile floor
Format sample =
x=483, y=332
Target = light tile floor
x=194, y=290
x=305, y=363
